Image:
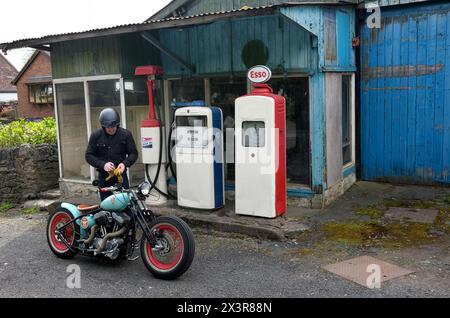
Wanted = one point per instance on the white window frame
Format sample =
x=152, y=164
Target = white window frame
x=85, y=80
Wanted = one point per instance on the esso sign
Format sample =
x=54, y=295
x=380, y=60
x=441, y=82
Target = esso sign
x=259, y=74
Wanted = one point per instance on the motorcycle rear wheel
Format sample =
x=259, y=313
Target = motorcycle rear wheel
x=178, y=250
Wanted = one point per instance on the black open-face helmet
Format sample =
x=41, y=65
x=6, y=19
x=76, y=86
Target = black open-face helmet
x=109, y=118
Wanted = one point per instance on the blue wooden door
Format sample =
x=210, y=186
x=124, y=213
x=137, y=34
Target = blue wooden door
x=405, y=95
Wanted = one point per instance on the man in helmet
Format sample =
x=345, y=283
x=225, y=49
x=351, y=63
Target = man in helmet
x=111, y=147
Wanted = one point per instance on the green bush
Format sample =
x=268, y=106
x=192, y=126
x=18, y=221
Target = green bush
x=22, y=132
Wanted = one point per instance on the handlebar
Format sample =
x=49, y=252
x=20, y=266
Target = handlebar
x=108, y=189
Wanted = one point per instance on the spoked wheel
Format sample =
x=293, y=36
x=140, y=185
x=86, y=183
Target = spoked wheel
x=175, y=248
x=59, y=244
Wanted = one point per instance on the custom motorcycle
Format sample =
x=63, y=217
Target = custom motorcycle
x=118, y=226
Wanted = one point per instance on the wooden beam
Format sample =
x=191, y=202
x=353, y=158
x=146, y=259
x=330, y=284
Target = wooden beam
x=155, y=42
x=41, y=48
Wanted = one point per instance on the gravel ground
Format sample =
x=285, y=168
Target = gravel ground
x=223, y=267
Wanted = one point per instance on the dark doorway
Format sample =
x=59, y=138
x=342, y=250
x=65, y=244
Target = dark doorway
x=298, y=148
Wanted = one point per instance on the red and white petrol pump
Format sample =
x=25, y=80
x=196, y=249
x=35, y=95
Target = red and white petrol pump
x=260, y=139
x=152, y=141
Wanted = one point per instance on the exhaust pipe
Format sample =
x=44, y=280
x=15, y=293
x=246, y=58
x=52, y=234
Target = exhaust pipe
x=91, y=236
x=107, y=237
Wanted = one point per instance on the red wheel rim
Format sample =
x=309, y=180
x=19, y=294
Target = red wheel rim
x=173, y=251
x=59, y=220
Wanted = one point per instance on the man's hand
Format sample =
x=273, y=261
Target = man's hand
x=109, y=167
x=121, y=168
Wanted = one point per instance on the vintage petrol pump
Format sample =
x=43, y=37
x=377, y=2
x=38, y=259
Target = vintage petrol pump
x=199, y=157
x=260, y=139
x=152, y=141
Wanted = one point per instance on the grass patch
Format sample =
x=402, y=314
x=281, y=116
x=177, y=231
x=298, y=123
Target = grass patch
x=375, y=234
x=373, y=212
x=4, y=207
x=31, y=210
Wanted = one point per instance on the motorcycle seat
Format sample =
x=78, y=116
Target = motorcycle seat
x=84, y=208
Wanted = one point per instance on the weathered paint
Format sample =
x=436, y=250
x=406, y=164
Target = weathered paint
x=101, y=56
x=405, y=125
x=334, y=27
x=333, y=84
x=235, y=45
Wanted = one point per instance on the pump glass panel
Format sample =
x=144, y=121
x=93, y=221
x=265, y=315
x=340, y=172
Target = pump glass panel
x=253, y=134
x=192, y=131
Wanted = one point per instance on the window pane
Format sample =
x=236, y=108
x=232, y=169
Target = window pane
x=188, y=90
x=298, y=150
x=346, y=119
x=136, y=101
x=72, y=130
x=253, y=134
x=224, y=91
x=103, y=94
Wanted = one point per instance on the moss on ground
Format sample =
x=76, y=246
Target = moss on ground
x=374, y=212
x=377, y=234
x=412, y=204
x=31, y=210
x=5, y=207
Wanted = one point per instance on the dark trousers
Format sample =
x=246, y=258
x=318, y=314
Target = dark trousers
x=102, y=175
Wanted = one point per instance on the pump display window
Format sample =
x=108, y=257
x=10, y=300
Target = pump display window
x=298, y=149
x=72, y=130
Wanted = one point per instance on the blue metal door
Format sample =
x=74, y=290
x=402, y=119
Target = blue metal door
x=405, y=95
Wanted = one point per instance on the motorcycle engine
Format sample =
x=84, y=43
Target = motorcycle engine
x=110, y=224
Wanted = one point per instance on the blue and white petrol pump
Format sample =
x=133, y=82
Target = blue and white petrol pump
x=199, y=157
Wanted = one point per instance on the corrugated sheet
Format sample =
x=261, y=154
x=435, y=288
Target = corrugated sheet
x=186, y=8
x=405, y=89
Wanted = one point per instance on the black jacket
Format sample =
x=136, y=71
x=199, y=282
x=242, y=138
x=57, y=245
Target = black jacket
x=104, y=148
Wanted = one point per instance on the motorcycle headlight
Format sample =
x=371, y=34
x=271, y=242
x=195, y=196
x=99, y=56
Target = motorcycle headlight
x=144, y=188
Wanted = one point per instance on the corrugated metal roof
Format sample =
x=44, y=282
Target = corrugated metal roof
x=133, y=27
x=387, y=3
x=188, y=6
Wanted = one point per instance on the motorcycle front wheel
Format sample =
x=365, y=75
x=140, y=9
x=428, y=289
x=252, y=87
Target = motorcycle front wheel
x=175, y=251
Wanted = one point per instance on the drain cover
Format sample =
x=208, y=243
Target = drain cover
x=365, y=269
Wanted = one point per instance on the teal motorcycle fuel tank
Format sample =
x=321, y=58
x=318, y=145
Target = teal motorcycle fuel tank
x=116, y=202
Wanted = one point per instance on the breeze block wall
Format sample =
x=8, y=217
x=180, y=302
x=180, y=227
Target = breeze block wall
x=27, y=170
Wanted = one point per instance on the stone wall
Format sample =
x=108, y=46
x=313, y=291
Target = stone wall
x=27, y=170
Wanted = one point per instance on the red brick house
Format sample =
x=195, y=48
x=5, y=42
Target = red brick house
x=35, y=88
x=8, y=72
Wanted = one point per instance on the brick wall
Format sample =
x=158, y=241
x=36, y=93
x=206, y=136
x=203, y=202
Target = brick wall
x=41, y=66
